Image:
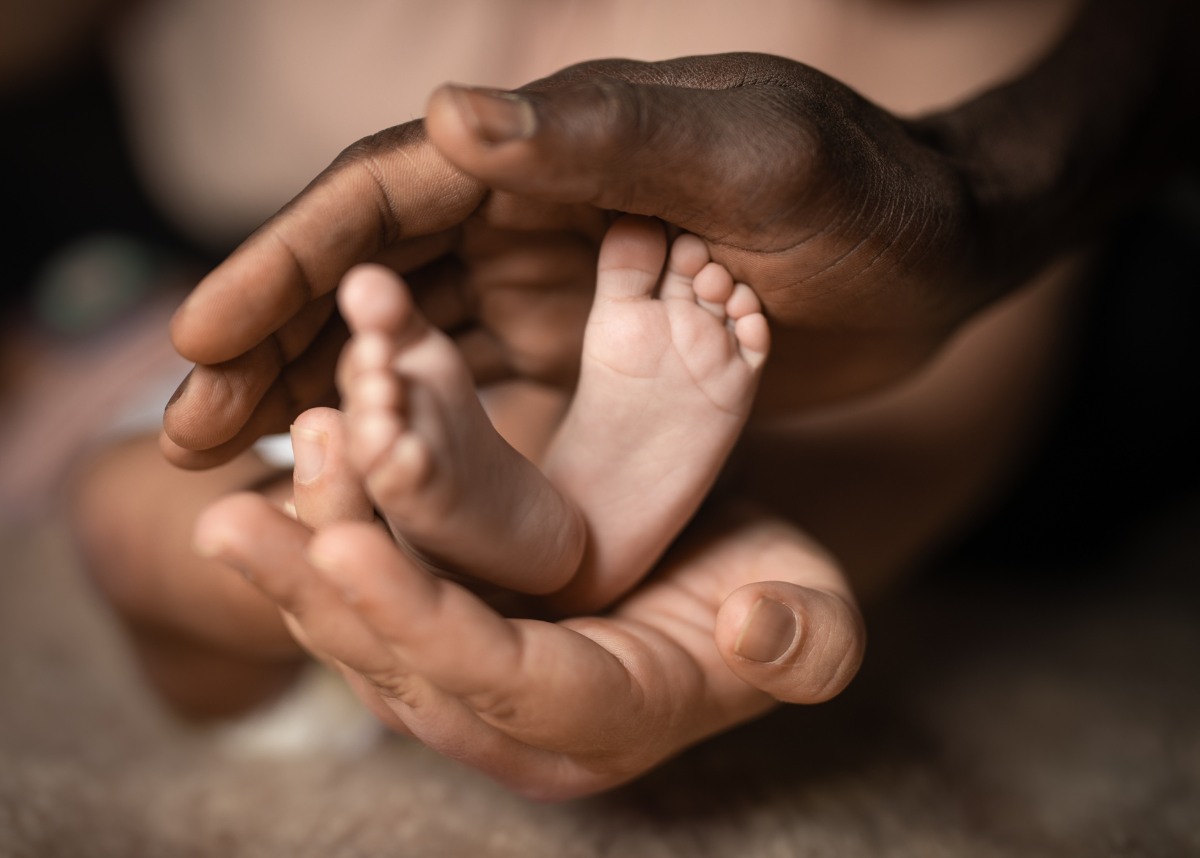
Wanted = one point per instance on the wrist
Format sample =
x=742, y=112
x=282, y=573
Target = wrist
x=1050, y=158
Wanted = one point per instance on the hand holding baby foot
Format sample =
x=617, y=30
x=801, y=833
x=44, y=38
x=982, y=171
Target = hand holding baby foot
x=557, y=710
x=672, y=356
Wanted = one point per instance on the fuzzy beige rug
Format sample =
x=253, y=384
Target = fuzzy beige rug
x=1008, y=716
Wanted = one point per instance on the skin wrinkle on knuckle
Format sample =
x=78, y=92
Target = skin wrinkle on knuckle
x=385, y=204
x=504, y=705
x=657, y=714
x=294, y=258
x=606, y=124
x=400, y=686
x=495, y=706
x=622, y=121
x=228, y=398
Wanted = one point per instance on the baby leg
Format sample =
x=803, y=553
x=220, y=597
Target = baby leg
x=670, y=365
x=449, y=485
x=208, y=642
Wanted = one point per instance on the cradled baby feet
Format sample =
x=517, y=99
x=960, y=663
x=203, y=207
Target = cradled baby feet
x=671, y=359
x=448, y=484
x=688, y=329
x=672, y=356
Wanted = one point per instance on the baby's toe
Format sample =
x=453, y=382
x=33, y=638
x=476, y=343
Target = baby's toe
x=631, y=259
x=374, y=391
x=742, y=301
x=754, y=338
x=373, y=432
x=713, y=286
x=364, y=353
x=688, y=256
x=400, y=474
x=373, y=298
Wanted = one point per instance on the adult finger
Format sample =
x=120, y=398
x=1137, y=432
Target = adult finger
x=844, y=220
x=800, y=639
x=582, y=706
x=226, y=412
x=326, y=488
x=384, y=189
x=689, y=140
x=450, y=636
x=269, y=548
x=390, y=195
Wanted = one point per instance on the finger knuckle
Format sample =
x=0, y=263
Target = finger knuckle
x=494, y=705
x=615, y=122
x=400, y=686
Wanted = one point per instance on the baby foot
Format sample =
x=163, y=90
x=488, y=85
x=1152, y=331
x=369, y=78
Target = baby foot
x=671, y=362
x=448, y=484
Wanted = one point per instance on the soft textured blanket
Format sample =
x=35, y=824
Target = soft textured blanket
x=1051, y=712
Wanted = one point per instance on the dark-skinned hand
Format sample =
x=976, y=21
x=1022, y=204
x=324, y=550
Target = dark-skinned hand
x=856, y=235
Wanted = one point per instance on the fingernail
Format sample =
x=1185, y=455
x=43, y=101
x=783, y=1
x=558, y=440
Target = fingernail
x=495, y=115
x=308, y=447
x=768, y=632
x=179, y=390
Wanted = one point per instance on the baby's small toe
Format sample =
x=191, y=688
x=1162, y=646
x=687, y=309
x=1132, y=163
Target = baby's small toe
x=754, y=338
x=372, y=434
x=364, y=353
x=400, y=474
x=688, y=255
x=373, y=391
x=742, y=302
x=713, y=286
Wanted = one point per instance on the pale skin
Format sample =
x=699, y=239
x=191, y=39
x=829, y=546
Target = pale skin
x=671, y=357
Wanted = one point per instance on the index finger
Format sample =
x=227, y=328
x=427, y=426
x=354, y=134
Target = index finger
x=385, y=189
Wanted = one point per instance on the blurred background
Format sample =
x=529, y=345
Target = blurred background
x=142, y=141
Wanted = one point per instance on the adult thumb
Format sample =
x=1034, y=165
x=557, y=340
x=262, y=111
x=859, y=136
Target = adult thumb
x=798, y=644
x=681, y=140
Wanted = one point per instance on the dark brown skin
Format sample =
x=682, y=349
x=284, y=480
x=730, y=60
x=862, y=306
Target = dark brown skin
x=868, y=238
